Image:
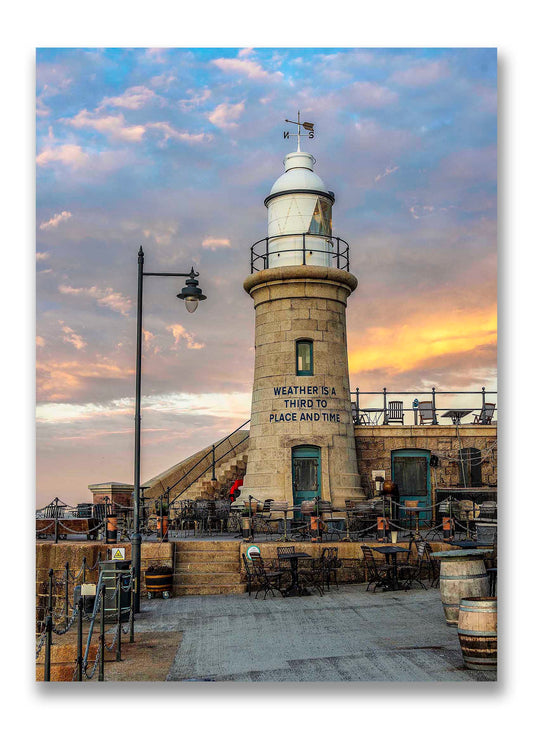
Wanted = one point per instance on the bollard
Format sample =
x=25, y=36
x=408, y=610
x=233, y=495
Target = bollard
x=447, y=527
x=112, y=529
x=119, y=618
x=48, y=647
x=84, y=568
x=132, y=604
x=383, y=528
x=102, y=635
x=79, y=658
x=246, y=528
x=315, y=533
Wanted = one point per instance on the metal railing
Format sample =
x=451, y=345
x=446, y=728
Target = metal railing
x=383, y=410
x=73, y=614
x=261, y=251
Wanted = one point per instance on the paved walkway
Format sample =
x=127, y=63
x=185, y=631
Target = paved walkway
x=347, y=635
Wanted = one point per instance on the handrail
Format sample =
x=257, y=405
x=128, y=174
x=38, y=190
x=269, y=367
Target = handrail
x=340, y=252
x=214, y=461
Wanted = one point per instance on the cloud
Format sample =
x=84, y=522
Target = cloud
x=104, y=297
x=113, y=126
x=168, y=132
x=214, y=243
x=196, y=99
x=245, y=67
x=39, y=341
x=71, y=155
x=368, y=95
x=133, y=98
x=179, y=333
x=422, y=74
x=72, y=338
x=59, y=380
x=226, y=116
x=42, y=256
x=55, y=220
x=387, y=172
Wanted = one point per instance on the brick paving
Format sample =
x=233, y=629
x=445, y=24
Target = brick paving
x=347, y=635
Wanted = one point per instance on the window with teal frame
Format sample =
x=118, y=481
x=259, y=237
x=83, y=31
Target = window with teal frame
x=304, y=357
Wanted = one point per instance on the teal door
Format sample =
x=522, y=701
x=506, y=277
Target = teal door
x=305, y=473
x=410, y=472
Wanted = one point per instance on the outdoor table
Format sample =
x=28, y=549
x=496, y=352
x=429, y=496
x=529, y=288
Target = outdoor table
x=374, y=414
x=294, y=588
x=456, y=414
x=391, y=551
x=467, y=544
x=416, y=511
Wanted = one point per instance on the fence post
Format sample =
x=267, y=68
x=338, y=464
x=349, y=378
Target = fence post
x=50, y=594
x=102, y=635
x=84, y=568
x=434, y=407
x=385, y=413
x=66, y=591
x=357, y=418
x=79, y=659
x=56, y=531
x=132, y=605
x=119, y=618
x=48, y=647
x=483, y=416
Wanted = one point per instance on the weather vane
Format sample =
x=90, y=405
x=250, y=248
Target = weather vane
x=308, y=126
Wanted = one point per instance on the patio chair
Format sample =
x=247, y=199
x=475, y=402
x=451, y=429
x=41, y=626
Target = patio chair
x=263, y=521
x=282, y=506
x=486, y=414
x=413, y=573
x=426, y=412
x=268, y=580
x=332, y=563
x=377, y=576
x=312, y=574
x=395, y=414
x=283, y=564
x=249, y=574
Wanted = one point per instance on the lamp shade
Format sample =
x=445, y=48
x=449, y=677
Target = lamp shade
x=191, y=293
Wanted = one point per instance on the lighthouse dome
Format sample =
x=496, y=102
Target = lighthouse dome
x=298, y=175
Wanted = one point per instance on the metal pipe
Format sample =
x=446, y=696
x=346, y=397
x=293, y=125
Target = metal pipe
x=79, y=657
x=66, y=591
x=132, y=608
x=136, y=536
x=102, y=635
x=434, y=407
x=119, y=618
x=48, y=647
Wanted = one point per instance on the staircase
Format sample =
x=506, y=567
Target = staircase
x=207, y=568
x=225, y=475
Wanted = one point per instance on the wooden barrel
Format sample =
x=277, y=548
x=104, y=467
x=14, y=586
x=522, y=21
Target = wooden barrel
x=461, y=576
x=477, y=630
x=158, y=582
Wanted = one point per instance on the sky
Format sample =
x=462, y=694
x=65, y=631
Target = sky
x=175, y=150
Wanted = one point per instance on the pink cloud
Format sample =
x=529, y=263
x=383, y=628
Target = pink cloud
x=113, y=126
x=214, y=243
x=133, y=98
x=179, y=333
x=169, y=132
x=370, y=95
x=71, y=155
x=225, y=116
x=422, y=74
x=105, y=297
x=72, y=338
x=245, y=67
x=55, y=220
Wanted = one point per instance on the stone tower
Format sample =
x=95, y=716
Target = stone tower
x=302, y=441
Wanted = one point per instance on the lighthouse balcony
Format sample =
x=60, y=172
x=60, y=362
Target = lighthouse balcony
x=300, y=249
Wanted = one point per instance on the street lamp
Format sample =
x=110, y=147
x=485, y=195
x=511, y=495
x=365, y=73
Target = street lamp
x=191, y=294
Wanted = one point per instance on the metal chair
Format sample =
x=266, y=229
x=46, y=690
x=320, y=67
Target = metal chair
x=413, y=573
x=283, y=565
x=395, y=414
x=283, y=507
x=332, y=563
x=486, y=414
x=378, y=576
x=268, y=580
x=426, y=412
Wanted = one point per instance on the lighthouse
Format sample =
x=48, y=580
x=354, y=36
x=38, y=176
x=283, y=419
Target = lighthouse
x=301, y=443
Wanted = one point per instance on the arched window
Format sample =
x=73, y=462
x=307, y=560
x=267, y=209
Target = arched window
x=304, y=357
x=469, y=464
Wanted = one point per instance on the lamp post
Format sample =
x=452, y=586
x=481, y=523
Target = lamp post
x=191, y=294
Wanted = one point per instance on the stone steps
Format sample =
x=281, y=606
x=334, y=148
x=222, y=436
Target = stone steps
x=207, y=568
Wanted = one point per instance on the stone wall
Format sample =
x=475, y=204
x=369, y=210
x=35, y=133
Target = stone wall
x=375, y=444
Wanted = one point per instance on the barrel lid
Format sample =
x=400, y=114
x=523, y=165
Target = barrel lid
x=455, y=553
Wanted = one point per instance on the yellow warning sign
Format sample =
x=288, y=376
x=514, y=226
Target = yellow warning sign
x=117, y=553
